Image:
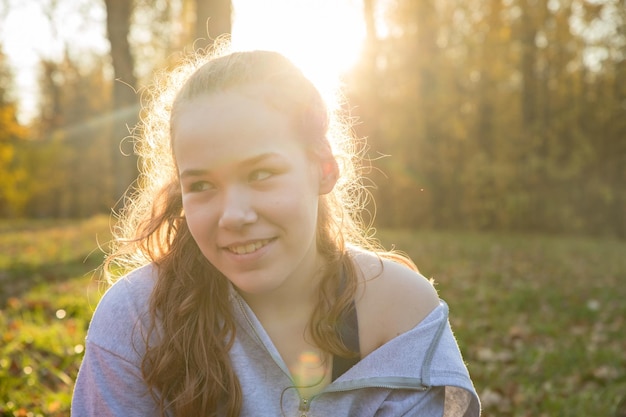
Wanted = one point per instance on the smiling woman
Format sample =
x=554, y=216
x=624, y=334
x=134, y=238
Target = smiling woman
x=323, y=37
x=254, y=287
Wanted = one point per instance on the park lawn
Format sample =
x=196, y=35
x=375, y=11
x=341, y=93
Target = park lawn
x=47, y=296
x=540, y=320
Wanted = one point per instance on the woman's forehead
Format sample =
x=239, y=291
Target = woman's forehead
x=230, y=127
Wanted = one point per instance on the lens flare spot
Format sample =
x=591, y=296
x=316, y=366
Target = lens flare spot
x=309, y=370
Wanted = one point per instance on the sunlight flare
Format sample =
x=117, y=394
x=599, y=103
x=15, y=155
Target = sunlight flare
x=323, y=37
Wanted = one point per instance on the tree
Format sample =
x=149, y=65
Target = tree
x=508, y=114
x=125, y=99
x=67, y=167
x=12, y=174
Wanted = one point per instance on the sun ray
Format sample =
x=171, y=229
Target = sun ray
x=323, y=37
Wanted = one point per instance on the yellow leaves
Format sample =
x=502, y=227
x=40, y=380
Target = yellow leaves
x=21, y=412
x=13, y=303
x=54, y=406
x=10, y=129
x=13, y=174
x=7, y=153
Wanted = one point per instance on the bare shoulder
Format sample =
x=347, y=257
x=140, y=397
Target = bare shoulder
x=393, y=299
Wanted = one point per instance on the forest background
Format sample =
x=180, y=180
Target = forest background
x=491, y=124
x=505, y=115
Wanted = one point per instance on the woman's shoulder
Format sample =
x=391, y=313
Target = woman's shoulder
x=131, y=290
x=123, y=305
x=139, y=280
x=392, y=299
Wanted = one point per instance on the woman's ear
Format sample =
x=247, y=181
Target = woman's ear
x=329, y=174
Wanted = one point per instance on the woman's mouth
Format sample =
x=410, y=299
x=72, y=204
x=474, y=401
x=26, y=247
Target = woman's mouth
x=248, y=247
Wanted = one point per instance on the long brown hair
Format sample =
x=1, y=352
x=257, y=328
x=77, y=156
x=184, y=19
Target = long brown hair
x=188, y=367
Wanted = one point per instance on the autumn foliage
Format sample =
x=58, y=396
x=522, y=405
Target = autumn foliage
x=479, y=114
x=505, y=115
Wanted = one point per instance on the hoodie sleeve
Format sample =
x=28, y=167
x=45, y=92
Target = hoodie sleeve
x=424, y=371
x=444, y=368
x=110, y=382
x=110, y=386
x=436, y=402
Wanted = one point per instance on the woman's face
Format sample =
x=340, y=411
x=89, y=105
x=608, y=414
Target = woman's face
x=250, y=192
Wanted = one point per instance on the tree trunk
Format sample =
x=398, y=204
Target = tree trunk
x=528, y=34
x=125, y=99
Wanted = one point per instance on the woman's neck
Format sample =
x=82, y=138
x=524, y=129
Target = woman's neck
x=297, y=295
x=289, y=300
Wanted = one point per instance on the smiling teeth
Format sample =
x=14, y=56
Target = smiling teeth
x=249, y=248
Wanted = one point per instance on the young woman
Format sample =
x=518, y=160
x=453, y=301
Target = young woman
x=254, y=291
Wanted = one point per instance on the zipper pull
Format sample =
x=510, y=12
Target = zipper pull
x=304, y=406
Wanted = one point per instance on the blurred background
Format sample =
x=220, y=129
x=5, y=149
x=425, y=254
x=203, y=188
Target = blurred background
x=504, y=115
x=496, y=131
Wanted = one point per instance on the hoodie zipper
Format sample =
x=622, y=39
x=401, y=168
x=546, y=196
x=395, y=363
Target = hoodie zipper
x=305, y=403
x=304, y=407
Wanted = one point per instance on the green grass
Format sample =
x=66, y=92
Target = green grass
x=47, y=296
x=540, y=320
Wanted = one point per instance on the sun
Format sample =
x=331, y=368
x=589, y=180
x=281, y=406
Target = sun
x=323, y=37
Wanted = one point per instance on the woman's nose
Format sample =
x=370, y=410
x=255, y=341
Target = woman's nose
x=237, y=210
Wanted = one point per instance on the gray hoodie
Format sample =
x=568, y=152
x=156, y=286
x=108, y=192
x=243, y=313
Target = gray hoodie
x=419, y=373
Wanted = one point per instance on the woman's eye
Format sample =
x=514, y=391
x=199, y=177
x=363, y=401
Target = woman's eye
x=200, y=186
x=260, y=175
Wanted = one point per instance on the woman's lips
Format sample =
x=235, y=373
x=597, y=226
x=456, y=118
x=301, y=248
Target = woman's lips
x=250, y=247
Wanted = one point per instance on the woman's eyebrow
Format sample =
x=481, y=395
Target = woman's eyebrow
x=193, y=172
